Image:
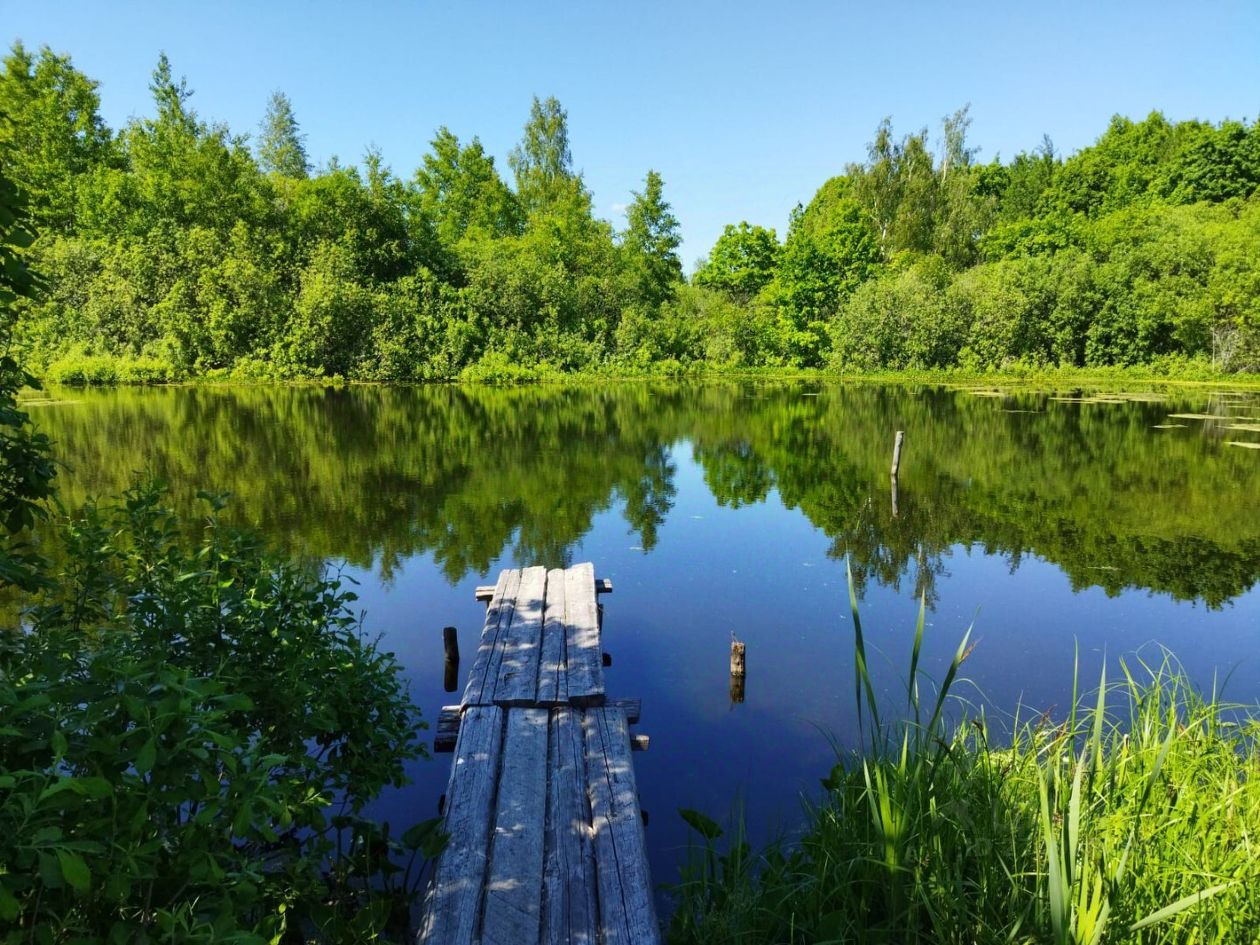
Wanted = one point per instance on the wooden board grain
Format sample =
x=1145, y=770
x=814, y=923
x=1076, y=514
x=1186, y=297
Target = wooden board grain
x=512, y=908
x=485, y=672
x=447, y=728
x=553, y=683
x=582, y=646
x=453, y=908
x=627, y=911
x=522, y=644
x=570, y=915
x=485, y=592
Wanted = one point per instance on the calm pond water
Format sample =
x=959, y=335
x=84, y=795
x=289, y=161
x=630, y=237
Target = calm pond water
x=1053, y=522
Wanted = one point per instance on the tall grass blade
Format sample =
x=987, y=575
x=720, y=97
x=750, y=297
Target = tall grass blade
x=861, y=670
x=913, y=690
x=1181, y=905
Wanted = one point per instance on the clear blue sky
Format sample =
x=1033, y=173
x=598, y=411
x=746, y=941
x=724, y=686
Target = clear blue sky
x=744, y=107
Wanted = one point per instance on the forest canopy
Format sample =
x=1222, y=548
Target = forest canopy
x=175, y=247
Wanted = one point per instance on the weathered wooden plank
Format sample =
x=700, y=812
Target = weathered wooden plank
x=485, y=672
x=447, y=729
x=627, y=912
x=453, y=906
x=485, y=592
x=569, y=912
x=582, y=650
x=522, y=645
x=553, y=682
x=513, y=905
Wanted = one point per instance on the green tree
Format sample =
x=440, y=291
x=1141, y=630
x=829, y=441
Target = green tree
x=743, y=261
x=651, y=241
x=52, y=132
x=280, y=147
x=459, y=189
x=542, y=162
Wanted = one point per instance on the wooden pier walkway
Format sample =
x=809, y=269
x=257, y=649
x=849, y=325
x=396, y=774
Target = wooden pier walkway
x=546, y=836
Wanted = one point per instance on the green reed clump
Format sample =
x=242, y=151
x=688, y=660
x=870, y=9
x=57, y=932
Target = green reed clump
x=1134, y=820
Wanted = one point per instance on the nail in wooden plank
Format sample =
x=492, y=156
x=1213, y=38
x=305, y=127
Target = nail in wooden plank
x=553, y=683
x=513, y=905
x=485, y=672
x=627, y=911
x=453, y=905
x=586, y=675
x=522, y=645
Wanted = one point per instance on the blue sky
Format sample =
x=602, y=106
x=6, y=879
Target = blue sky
x=744, y=108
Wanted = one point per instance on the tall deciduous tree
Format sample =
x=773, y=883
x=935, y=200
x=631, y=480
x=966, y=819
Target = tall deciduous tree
x=280, y=144
x=459, y=189
x=53, y=132
x=542, y=162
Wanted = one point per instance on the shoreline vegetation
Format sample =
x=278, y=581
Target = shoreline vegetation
x=103, y=372
x=176, y=248
x=1132, y=819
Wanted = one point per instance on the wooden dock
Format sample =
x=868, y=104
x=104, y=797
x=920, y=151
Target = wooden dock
x=546, y=836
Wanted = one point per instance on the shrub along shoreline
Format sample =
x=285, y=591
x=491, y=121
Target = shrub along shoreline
x=110, y=370
x=1136, y=819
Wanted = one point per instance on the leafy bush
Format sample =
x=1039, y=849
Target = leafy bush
x=77, y=368
x=189, y=733
x=495, y=367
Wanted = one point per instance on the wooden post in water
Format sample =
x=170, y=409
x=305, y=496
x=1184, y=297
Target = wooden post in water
x=896, y=464
x=737, y=671
x=450, y=647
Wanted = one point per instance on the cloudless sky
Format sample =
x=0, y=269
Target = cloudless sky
x=744, y=107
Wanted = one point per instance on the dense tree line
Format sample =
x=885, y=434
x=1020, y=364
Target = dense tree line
x=1144, y=247
x=174, y=247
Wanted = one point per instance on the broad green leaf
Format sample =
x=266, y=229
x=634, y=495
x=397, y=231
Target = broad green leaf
x=147, y=757
x=74, y=870
x=698, y=822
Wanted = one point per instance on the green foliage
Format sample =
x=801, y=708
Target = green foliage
x=1139, y=248
x=1127, y=822
x=26, y=472
x=742, y=262
x=651, y=242
x=174, y=240
x=189, y=732
x=543, y=162
x=280, y=147
x=459, y=189
x=79, y=369
x=189, y=729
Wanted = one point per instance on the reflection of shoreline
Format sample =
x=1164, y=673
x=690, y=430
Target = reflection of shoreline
x=374, y=475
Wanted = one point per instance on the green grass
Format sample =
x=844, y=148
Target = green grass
x=1134, y=819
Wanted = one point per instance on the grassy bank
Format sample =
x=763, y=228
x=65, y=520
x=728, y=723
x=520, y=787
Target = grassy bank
x=1134, y=819
x=77, y=369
